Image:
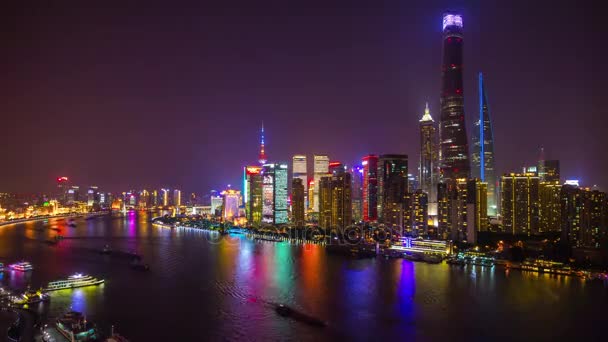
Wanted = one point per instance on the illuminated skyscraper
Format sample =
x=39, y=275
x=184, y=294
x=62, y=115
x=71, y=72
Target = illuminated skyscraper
x=297, y=202
x=482, y=158
x=454, y=152
x=62, y=189
x=165, y=197
x=370, y=187
x=357, y=192
x=519, y=196
x=320, y=169
x=92, y=195
x=300, y=171
x=253, y=197
x=335, y=205
x=177, y=198
x=418, y=205
x=274, y=194
x=230, y=204
x=429, y=158
x=549, y=195
x=392, y=189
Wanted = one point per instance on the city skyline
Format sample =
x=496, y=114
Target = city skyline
x=134, y=130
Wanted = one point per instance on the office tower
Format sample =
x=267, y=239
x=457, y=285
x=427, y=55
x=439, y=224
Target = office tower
x=418, y=205
x=193, y=199
x=392, y=189
x=253, y=194
x=325, y=202
x=177, y=198
x=519, y=196
x=549, y=210
x=454, y=152
x=357, y=192
x=165, y=197
x=370, y=187
x=73, y=195
x=428, y=169
x=300, y=171
x=335, y=206
x=457, y=209
x=62, y=189
x=216, y=205
x=262, y=156
x=320, y=169
x=477, y=209
x=311, y=195
x=335, y=167
x=144, y=199
x=275, y=195
x=482, y=158
x=297, y=202
x=92, y=195
x=155, y=200
x=551, y=170
x=230, y=204
x=443, y=210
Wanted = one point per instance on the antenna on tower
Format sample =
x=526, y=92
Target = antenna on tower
x=262, y=157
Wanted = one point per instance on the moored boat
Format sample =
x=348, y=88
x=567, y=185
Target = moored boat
x=75, y=327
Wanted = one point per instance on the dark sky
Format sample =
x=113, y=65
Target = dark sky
x=146, y=95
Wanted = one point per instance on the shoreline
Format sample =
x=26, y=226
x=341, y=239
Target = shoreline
x=36, y=219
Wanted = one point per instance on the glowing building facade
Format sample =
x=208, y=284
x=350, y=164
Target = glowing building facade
x=370, y=188
x=274, y=194
x=299, y=170
x=519, y=196
x=393, y=189
x=452, y=128
x=429, y=157
x=482, y=158
x=320, y=169
x=253, y=194
x=297, y=202
x=230, y=204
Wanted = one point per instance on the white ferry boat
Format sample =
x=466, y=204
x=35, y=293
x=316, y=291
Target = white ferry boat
x=22, y=266
x=73, y=281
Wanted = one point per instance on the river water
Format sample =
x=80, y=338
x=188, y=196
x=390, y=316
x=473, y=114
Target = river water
x=205, y=287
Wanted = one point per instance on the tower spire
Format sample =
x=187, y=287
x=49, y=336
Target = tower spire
x=262, y=157
x=427, y=114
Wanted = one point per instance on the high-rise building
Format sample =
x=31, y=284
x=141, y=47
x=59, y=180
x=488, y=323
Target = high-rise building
x=357, y=192
x=155, y=200
x=341, y=203
x=429, y=158
x=73, y=195
x=92, y=195
x=297, y=201
x=144, y=199
x=253, y=194
x=230, y=204
x=325, y=202
x=320, y=169
x=275, y=194
x=335, y=167
x=477, y=209
x=419, y=215
x=335, y=205
x=482, y=158
x=216, y=205
x=311, y=196
x=62, y=189
x=454, y=152
x=392, y=189
x=520, y=203
x=370, y=187
x=300, y=171
x=177, y=198
x=549, y=212
x=551, y=170
x=165, y=197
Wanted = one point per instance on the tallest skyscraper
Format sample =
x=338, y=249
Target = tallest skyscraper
x=454, y=151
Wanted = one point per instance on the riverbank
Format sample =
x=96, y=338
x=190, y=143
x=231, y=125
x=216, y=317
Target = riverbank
x=33, y=219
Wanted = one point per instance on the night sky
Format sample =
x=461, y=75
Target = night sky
x=148, y=95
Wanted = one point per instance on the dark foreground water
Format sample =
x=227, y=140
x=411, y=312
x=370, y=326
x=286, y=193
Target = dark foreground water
x=203, y=287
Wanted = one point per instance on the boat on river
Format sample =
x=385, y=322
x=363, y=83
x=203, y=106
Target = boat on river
x=75, y=327
x=73, y=281
x=22, y=266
